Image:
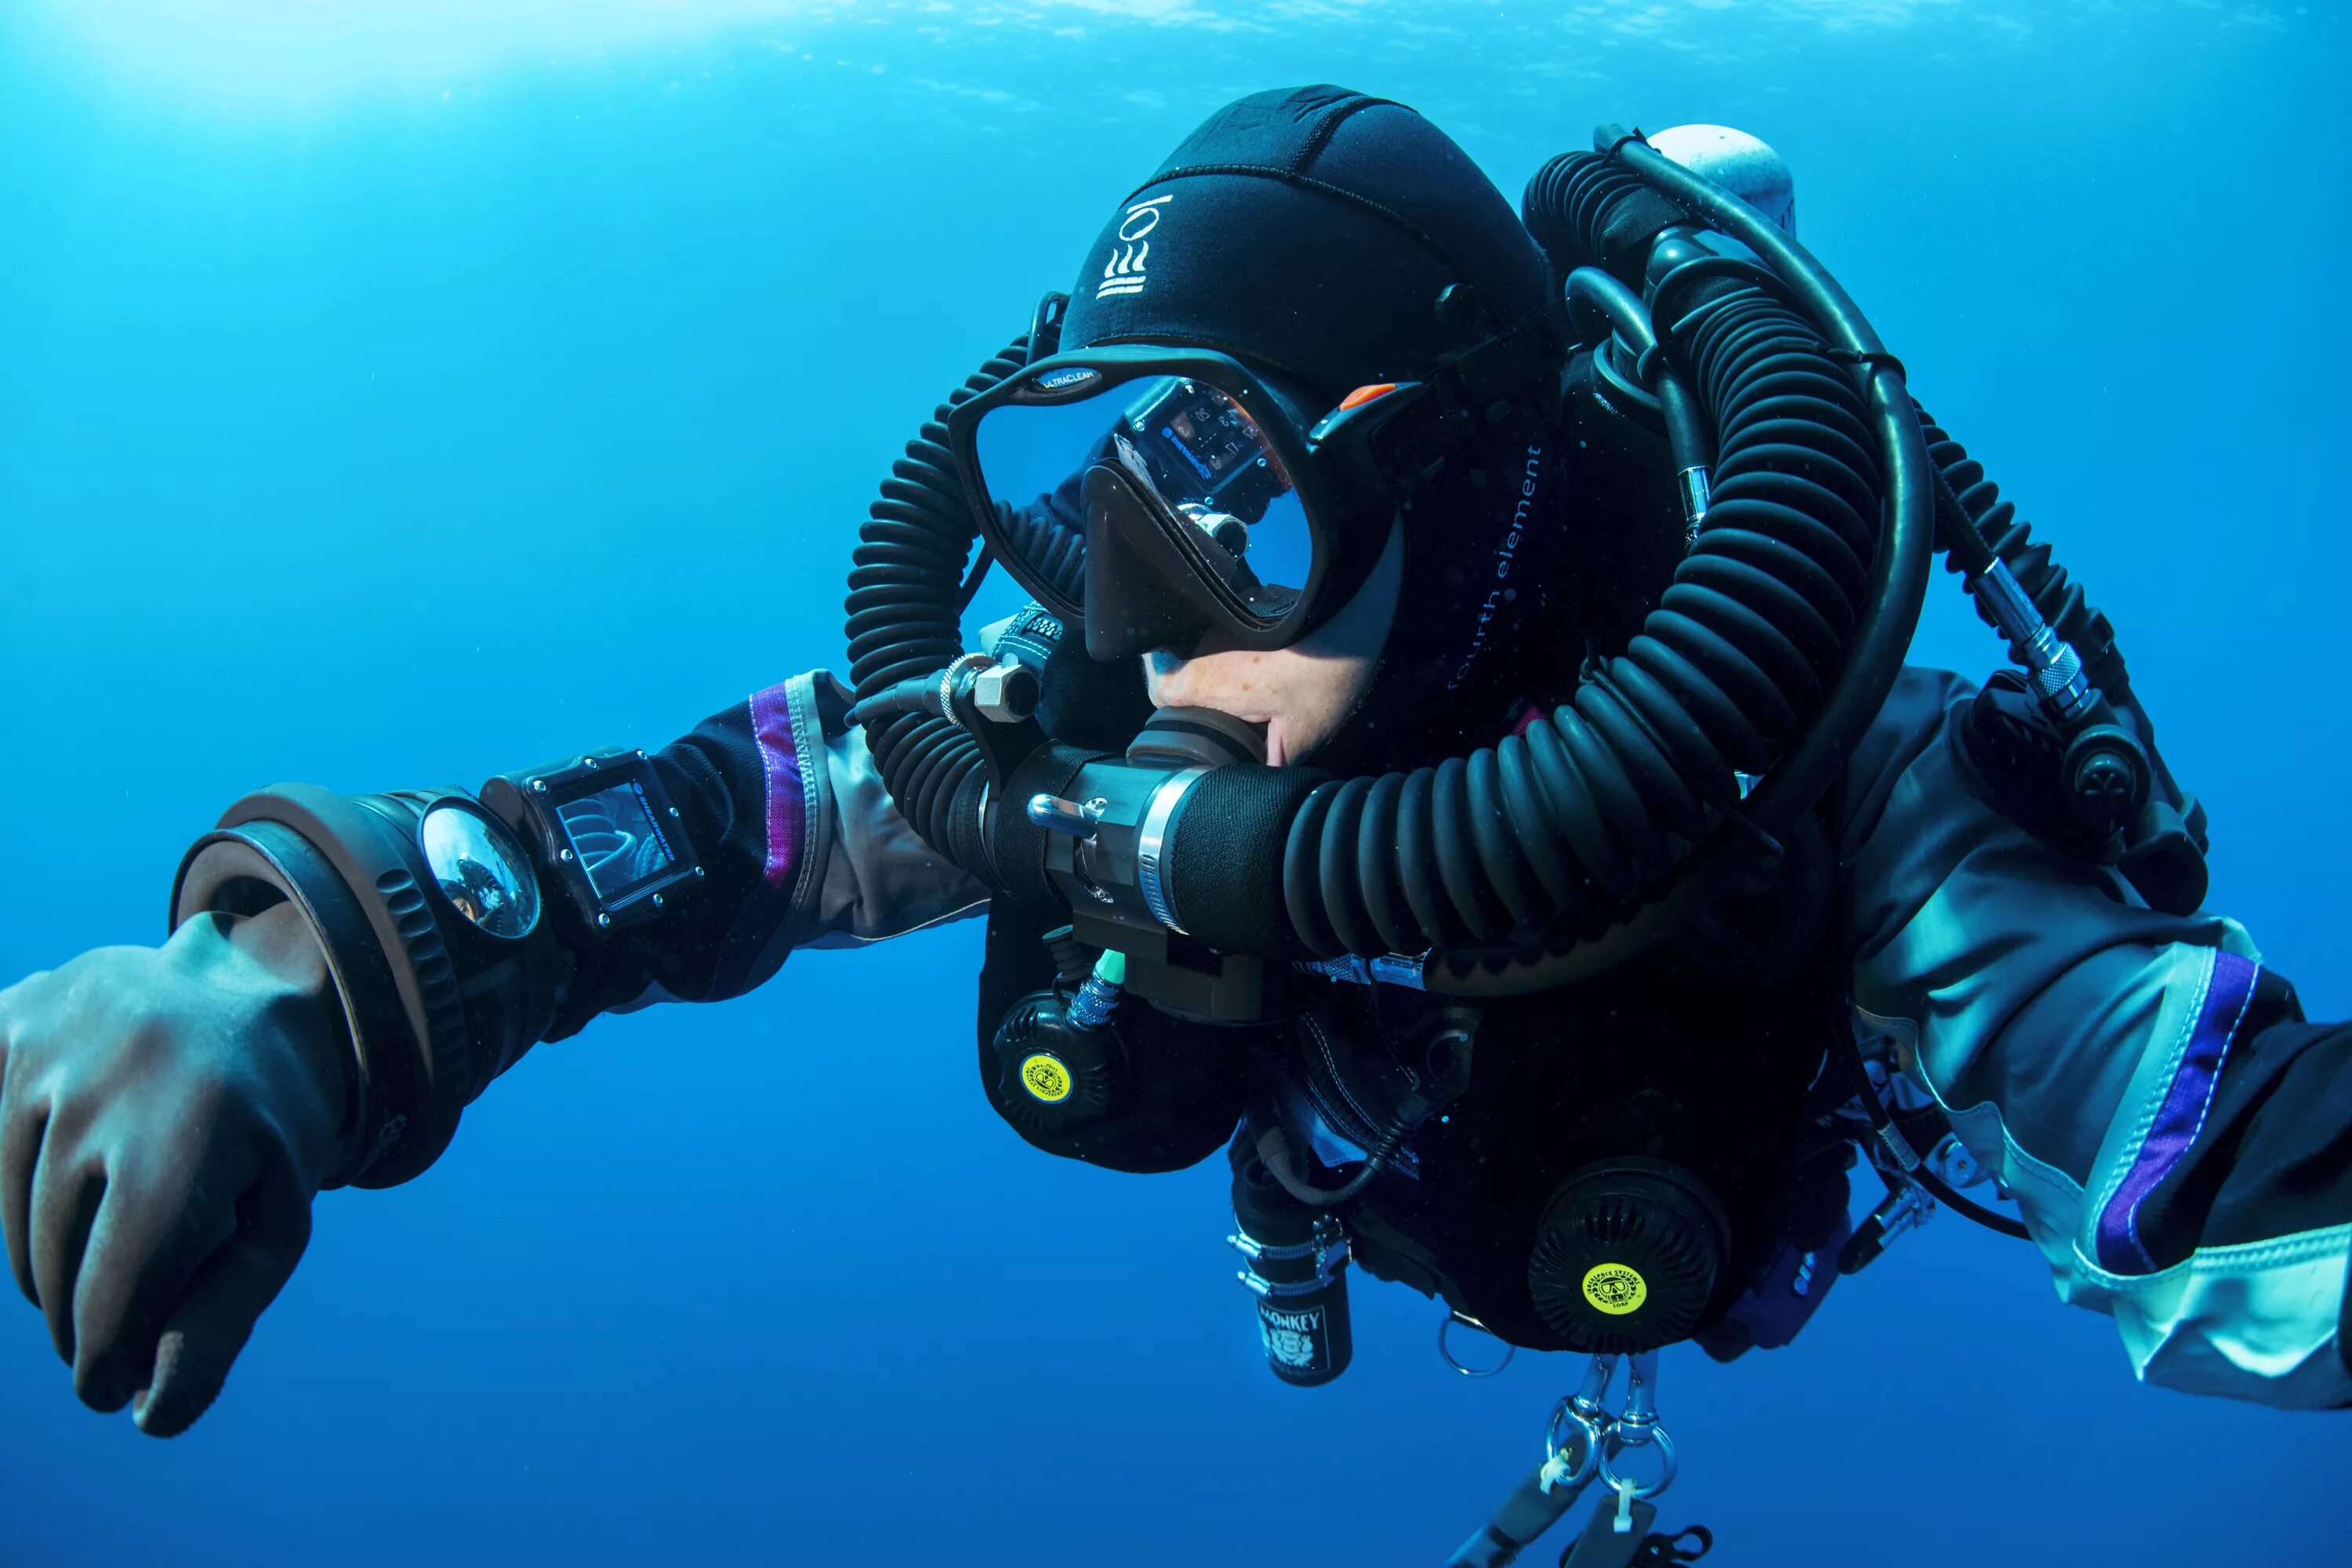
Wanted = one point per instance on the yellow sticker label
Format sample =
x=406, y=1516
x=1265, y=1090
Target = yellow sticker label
x=1615, y=1289
x=1045, y=1078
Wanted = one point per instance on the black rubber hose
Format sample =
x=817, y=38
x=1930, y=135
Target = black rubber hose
x=1772, y=649
x=2060, y=600
x=1874, y=1111
x=1572, y=821
x=907, y=585
x=2168, y=871
x=1770, y=653
x=1891, y=604
x=1587, y=210
x=1944, y=1192
x=1622, y=310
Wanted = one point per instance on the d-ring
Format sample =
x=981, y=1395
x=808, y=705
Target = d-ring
x=1590, y=1437
x=1651, y=1435
x=1445, y=1348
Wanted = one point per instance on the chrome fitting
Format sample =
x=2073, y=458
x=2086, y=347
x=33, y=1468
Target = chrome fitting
x=2055, y=667
x=1696, y=491
x=1006, y=691
x=1059, y=816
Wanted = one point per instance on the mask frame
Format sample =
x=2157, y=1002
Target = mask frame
x=1150, y=582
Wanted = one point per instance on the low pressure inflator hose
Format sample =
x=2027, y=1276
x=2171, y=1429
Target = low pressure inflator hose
x=904, y=604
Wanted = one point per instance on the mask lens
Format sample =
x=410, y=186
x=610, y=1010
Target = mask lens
x=1275, y=556
x=1032, y=456
x=1205, y=468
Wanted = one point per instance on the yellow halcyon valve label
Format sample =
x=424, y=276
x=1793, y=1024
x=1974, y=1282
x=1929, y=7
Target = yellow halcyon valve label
x=1045, y=1078
x=1615, y=1289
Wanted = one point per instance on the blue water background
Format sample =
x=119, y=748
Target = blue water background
x=382, y=407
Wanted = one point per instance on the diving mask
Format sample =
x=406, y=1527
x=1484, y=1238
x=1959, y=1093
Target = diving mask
x=1172, y=498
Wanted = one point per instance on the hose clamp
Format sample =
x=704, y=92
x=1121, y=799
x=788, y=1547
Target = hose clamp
x=1152, y=845
x=1266, y=1290
x=1328, y=1247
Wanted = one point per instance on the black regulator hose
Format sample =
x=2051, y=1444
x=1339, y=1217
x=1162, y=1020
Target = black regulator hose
x=1770, y=654
x=1678, y=411
x=1995, y=530
x=908, y=585
x=2163, y=852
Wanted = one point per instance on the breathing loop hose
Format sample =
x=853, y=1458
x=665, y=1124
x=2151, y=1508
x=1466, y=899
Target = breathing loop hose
x=1566, y=850
x=1571, y=822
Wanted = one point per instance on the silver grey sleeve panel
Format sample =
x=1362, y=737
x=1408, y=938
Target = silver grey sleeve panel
x=2074, y=1037
x=877, y=878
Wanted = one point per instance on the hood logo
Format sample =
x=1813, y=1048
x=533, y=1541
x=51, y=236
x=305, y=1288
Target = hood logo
x=1123, y=273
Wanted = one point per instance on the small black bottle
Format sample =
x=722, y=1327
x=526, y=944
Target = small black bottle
x=1297, y=1261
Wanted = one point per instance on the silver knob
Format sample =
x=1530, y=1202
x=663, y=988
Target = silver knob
x=1059, y=816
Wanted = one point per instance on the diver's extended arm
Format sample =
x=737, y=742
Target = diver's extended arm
x=2178, y=1140
x=167, y=1114
x=803, y=848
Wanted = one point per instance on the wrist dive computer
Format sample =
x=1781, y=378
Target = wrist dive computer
x=616, y=845
x=453, y=923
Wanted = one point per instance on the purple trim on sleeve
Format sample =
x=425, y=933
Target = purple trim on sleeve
x=771, y=727
x=2181, y=1117
x=785, y=826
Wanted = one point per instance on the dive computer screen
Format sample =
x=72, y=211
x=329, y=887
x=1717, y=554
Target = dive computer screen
x=1205, y=449
x=602, y=832
x=618, y=843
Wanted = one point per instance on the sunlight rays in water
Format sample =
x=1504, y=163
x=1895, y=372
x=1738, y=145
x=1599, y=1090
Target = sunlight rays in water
x=264, y=54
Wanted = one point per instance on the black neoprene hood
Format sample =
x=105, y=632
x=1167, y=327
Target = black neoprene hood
x=1308, y=230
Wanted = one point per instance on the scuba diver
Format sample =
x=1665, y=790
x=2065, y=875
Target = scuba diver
x=1457, y=761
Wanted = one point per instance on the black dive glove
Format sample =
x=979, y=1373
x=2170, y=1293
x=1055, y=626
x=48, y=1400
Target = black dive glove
x=344, y=976
x=166, y=1116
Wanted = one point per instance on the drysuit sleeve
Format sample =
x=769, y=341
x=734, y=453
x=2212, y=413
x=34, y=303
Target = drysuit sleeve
x=801, y=847
x=2179, y=1138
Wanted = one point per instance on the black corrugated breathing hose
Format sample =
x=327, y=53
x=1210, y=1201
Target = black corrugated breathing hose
x=1573, y=820
x=1774, y=648
x=907, y=587
x=1771, y=651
